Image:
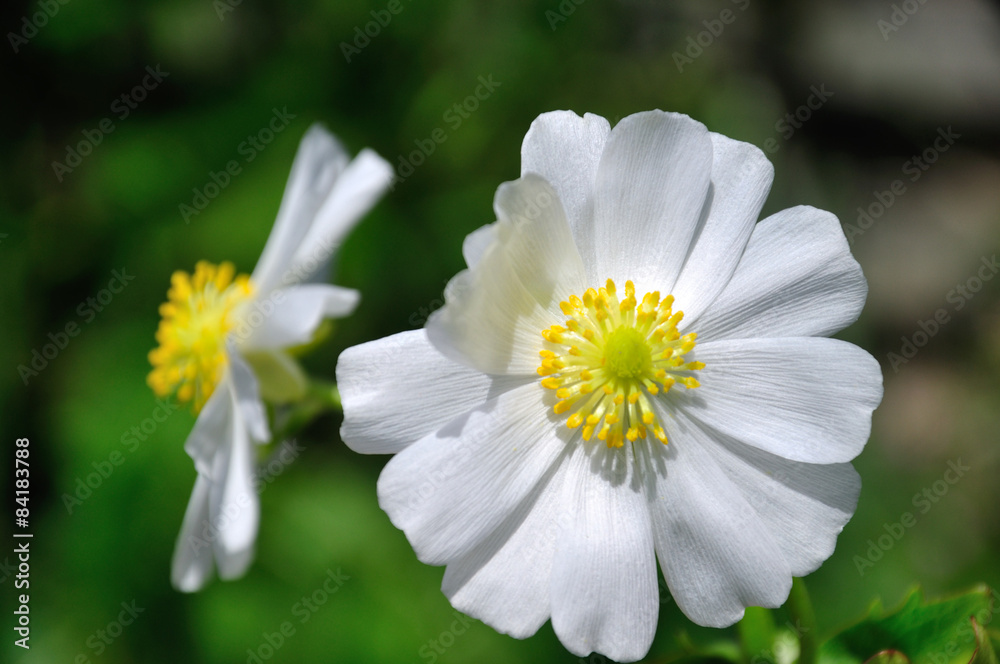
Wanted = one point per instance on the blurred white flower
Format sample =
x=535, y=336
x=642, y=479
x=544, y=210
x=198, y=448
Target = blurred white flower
x=551, y=438
x=224, y=343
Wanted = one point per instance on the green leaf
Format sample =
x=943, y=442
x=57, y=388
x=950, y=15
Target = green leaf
x=984, y=647
x=946, y=632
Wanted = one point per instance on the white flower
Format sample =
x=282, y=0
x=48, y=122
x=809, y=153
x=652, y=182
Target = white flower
x=224, y=346
x=531, y=420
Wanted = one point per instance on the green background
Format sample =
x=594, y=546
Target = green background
x=60, y=240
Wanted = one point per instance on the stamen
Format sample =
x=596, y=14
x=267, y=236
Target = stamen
x=611, y=358
x=191, y=358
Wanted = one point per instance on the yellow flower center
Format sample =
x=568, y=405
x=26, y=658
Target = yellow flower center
x=198, y=313
x=611, y=358
x=627, y=353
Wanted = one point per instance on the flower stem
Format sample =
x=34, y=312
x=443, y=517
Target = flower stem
x=801, y=610
x=757, y=635
x=321, y=397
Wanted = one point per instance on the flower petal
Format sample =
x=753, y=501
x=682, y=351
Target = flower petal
x=804, y=506
x=495, y=312
x=803, y=398
x=476, y=242
x=318, y=163
x=338, y=302
x=210, y=430
x=651, y=186
x=355, y=192
x=279, y=376
x=289, y=317
x=399, y=389
x=565, y=149
x=716, y=554
x=533, y=229
x=489, y=322
x=192, y=564
x=741, y=179
x=234, y=507
x=797, y=278
x=505, y=580
x=605, y=596
x=451, y=489
x=247, y=406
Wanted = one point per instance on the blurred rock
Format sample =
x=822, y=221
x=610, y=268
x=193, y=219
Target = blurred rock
x=930, y=239
x=919, y=414
x=938, y=63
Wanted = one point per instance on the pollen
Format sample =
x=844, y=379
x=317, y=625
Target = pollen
x=200, y=310
x=612, y=358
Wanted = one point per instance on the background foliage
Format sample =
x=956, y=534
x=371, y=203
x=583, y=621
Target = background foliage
x=231, y=65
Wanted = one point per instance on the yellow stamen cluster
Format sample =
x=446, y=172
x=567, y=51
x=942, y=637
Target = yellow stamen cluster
x=611, y=357
x=191, y=358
